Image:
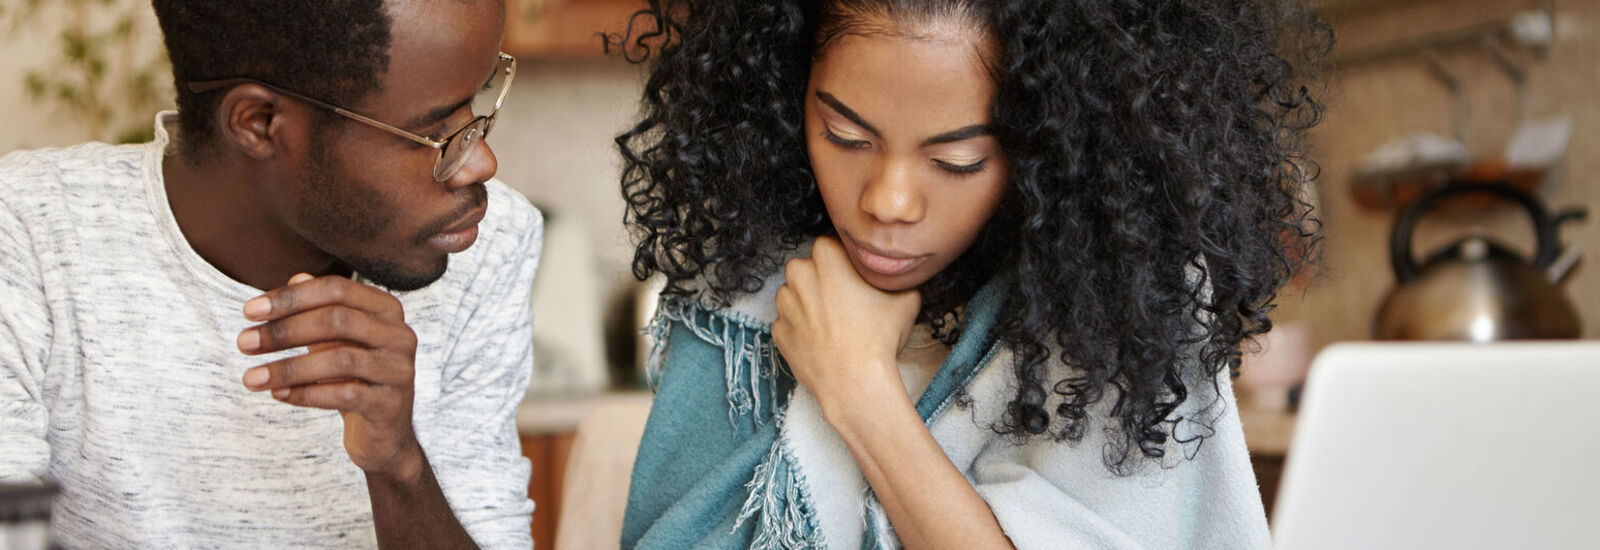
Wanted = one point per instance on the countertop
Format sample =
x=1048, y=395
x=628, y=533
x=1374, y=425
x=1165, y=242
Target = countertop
x=544, y=415
x=1266, y=432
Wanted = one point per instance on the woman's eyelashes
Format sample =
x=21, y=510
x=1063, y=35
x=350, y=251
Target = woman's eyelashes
x=957, y=168
x=962, y=169
x=827, y=133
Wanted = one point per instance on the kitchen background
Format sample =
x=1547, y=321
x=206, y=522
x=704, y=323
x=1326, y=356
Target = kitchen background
x=554, y=144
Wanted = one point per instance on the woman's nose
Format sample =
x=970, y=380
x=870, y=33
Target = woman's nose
x=893, y=196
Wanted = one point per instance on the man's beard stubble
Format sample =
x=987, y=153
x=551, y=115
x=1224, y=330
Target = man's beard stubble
x=337, y=211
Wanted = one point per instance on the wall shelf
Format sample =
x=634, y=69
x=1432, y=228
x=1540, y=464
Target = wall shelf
x=564, y=29
x=1523, y=29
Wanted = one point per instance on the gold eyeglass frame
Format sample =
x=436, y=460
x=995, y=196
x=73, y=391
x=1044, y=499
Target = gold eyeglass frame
x=471, y=130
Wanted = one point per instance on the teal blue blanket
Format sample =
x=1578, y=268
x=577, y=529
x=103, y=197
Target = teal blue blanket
x=711, y=471
x=736, y=455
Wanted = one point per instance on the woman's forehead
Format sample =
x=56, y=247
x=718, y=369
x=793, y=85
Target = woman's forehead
x=940, y=84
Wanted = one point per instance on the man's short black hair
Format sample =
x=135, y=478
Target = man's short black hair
x=333, y=50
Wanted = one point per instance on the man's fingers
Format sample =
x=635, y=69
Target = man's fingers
x=337, y=363
x=305, y=293
x=351, y=397
x=326, y=324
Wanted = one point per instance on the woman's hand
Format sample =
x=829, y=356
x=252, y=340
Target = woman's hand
x=839, y=334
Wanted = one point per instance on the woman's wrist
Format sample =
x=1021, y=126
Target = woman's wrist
x=864, y=407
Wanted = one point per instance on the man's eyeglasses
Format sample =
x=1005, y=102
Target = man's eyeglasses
x=452, y=150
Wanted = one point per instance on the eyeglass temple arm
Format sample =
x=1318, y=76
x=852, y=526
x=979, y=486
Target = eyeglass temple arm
x=511, y=76
x=211, y=85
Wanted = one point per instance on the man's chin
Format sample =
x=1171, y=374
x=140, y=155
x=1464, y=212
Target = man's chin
x=399, y=278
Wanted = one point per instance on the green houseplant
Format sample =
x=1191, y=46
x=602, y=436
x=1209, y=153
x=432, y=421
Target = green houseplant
x=108, y=71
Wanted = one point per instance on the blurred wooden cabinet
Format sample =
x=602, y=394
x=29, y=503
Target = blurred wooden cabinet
x=548, y=453
x=565, y=29
x=550, y=426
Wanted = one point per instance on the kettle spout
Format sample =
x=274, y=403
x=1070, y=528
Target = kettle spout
x=1562, y=268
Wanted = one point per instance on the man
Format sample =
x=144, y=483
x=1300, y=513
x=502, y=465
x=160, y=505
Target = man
x=195, y=339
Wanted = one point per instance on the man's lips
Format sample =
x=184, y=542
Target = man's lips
x=472, y=219
x=886, y=262
x=460, y=236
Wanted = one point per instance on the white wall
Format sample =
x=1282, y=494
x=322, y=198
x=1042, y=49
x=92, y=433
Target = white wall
x=554, y=142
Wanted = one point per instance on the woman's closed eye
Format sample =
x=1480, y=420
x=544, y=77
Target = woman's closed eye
x=847, y=143
x=962, y=167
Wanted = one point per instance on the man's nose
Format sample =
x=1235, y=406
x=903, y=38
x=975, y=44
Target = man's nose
x=481, y=165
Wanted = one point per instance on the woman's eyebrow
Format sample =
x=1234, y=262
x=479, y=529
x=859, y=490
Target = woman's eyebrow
x=839, y=107
x=967, y=132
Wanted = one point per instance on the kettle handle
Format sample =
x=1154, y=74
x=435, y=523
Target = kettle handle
x=1401, y=258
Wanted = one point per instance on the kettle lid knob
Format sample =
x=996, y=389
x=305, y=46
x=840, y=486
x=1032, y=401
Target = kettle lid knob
x=1474, y=249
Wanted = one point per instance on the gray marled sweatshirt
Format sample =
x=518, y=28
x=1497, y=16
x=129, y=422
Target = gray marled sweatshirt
x=120, y=379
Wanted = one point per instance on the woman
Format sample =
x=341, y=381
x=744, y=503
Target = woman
x=960, y=273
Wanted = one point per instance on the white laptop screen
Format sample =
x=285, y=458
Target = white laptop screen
x=1446, y=446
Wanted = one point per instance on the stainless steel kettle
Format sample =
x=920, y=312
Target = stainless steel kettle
x=1477, y=289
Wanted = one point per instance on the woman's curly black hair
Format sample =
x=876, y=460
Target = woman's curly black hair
x=1150, y=141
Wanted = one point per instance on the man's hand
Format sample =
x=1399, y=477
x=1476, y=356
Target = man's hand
x=360, y=362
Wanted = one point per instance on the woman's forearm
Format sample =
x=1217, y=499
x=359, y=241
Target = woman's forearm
x=929, y=502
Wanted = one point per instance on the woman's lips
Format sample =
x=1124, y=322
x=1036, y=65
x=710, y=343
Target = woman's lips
x=886, y=263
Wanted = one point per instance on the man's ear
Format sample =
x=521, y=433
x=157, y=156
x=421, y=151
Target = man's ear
x=251, y=120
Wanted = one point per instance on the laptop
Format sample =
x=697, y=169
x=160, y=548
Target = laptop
x=1445, y=445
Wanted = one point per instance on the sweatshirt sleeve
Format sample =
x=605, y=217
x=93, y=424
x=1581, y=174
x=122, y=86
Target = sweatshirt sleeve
x=25, y=333
x=471, y=436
